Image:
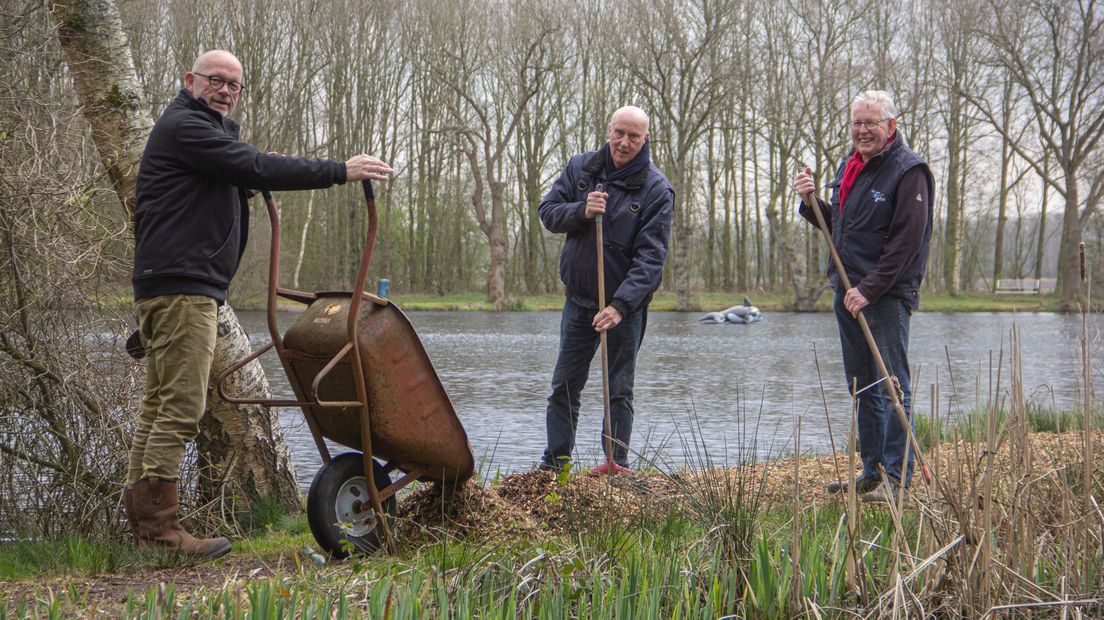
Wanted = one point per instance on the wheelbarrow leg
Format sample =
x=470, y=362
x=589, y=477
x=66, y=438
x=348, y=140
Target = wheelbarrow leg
x=374, y=493
x=366, y=446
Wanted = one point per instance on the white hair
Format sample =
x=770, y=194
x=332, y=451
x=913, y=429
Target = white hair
x=880, y=97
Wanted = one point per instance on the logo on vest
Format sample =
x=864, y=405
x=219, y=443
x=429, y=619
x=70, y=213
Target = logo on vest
x=878, y=196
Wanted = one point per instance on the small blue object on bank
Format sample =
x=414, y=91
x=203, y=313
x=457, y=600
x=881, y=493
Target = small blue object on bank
x=383, y=287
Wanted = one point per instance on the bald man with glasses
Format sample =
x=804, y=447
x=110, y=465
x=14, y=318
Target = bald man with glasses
x=191, y=221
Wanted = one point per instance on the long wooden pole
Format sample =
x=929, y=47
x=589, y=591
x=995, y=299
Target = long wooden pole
x=607, y=436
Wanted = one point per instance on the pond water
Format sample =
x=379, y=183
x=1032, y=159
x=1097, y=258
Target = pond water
x=728, y=391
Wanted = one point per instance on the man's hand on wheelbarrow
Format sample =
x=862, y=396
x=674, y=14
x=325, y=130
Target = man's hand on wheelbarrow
x=365, y=167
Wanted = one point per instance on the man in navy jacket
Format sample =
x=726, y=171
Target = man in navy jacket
x=191, y=221
x=880, y=215
x=636, y=202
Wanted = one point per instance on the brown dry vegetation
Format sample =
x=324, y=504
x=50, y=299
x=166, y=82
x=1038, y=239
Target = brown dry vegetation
x=537, y=504
x=534, y=506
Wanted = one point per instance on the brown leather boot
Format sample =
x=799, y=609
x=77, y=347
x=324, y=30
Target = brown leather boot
x=156, y=508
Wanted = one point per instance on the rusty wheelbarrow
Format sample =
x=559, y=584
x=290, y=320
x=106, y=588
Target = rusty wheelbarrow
x=363, y=380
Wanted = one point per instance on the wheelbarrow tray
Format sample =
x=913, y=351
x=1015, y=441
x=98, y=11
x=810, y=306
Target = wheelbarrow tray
x=413, y=423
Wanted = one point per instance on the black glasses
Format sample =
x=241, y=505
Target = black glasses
x=217, y=83
x=854, y=124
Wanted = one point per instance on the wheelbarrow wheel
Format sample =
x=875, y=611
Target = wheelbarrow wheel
x=339, y=507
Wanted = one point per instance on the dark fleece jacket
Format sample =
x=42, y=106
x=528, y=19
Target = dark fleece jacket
x=191, y=218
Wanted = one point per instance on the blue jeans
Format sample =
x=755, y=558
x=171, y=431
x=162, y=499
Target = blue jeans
x=578, y=343
x=882, y=438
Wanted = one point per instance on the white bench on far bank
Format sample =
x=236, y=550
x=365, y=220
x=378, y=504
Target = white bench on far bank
x=1017, y=286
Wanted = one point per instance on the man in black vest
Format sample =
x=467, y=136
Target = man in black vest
x=191, y=220
x=880, y=216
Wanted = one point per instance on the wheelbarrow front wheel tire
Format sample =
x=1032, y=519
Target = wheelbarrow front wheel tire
x=339, y=506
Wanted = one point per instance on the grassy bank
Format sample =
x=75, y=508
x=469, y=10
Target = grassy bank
x=664, y=301
x=997, y=533
x=712, y=302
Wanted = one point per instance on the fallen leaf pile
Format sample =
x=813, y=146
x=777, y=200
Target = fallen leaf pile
x=537, y=504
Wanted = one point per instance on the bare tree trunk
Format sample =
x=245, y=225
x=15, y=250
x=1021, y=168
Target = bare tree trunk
x=1042, y=220
x=496, y=274
x=303, y=242
x=711, y=253
x=242, y=443
x=1069, y=260
x=96, y=49
x=1004, y=189
x=1002, y=216
x=743, y=252
x=682, y=234
x=730, y=215
x=760, y=251
x=952, y=231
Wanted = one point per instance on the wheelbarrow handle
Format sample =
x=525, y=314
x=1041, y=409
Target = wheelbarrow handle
x=365, y=257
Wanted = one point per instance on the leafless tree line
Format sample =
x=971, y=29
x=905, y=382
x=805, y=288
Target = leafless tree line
x=62, y=385
x=480, y=102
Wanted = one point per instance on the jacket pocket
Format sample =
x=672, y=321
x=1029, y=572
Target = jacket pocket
x=621, y=229
x=222, y=263
x=584, y=185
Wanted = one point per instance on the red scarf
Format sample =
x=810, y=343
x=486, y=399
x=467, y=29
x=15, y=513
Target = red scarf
x=851, y=172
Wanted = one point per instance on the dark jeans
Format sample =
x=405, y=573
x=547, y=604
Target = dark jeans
x=882, y=438
x=578, y=343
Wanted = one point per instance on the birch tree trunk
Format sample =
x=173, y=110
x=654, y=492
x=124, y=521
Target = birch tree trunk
x=98, y=54
x=952, y=229
x=242, y=444
x=302, y=242
x=246, y=443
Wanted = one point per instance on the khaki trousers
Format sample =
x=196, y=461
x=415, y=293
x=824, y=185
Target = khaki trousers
x=179, y=333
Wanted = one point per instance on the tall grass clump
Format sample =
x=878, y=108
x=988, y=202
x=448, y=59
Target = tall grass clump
x=722, y=501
